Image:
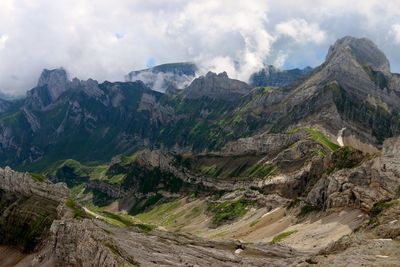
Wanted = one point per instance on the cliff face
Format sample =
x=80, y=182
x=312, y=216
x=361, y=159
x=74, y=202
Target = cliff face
x=216, y=86
x=23, y=184
x=271, y=76
x=376, y=180
x=27, y=208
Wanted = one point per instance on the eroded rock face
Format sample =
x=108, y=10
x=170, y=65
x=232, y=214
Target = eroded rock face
x=361, y=187
x=56, y=81
x=272, y=76
x=79, y=243
x=92, y=243
x=261, y=144
x=216, y=86
x=23, y=184
x=27, y=208
x=364, y=49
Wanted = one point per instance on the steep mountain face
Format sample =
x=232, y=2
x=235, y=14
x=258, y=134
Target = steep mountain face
x=352, y=90
x=102, y=118
x=216, y=86
x=162, y=77
x=51, y=84
x=27, y=208
x=271, y=76
x=91, y=121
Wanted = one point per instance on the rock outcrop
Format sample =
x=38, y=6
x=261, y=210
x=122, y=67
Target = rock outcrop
x=216, y=86
x=265, y=143
x=23, y=184
x=361, y=187
x=56, y=81
x=272, y=76
x=27, y=208
x=79, y=243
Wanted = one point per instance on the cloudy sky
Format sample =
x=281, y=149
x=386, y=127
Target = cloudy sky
x=105, y=39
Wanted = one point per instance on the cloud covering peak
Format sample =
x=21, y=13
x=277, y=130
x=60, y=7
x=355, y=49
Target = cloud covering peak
x=106, y=40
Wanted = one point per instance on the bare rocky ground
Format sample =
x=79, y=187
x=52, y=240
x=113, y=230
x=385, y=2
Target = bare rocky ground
x=357, y=225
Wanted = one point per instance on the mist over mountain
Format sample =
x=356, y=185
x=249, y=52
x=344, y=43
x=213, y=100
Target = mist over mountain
x=159, y=78
x=108, y=41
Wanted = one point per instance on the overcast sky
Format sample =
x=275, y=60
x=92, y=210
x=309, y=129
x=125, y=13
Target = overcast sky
x=105, y=39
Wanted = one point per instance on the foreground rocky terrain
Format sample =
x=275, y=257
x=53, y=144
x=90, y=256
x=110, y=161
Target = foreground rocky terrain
x=360, y=231
x=297, y=168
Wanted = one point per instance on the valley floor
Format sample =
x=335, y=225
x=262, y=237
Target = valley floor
x=311, y=234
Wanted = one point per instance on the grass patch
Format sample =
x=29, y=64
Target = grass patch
x=318, y=136
x=227, y=211
x=253, y=223
x=75, y=190
x=78, y=212
x=282, y=236
x=261, y=170
x=145, y=227
x=321, y=153
x=141, y=207
x=124, y=220
x=346, y=157
x=38, y=177
x=381, y=206
x=194, y=212
x=210, y=170
x=160, y=213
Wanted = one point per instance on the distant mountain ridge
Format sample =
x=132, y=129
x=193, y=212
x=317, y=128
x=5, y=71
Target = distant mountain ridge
x=271, y=76
x=87, y=120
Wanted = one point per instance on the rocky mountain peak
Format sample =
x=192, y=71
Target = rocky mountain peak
x=213, y=75
x=275, y=77
x=216, y=86
x=56, y=81
x=363, y=49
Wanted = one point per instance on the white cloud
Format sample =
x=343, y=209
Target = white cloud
x=395, y=31
x=301, y=31
x=3, y=40
x=280, y=59
x=224, y=35
x=106, y=40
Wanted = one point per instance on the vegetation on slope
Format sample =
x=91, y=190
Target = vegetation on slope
x=282, y=236
x=38, y=177
x=346, y=157
x=77, y=211
x=228, y=210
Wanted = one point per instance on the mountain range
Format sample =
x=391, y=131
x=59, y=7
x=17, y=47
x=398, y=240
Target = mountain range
x=219, y=168
x=351, y=90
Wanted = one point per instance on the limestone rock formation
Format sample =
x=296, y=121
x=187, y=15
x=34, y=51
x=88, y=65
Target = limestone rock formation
x=216, y=86
x=361, y=187
x=56, y=81
x=23, y=184
x=272, y=76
